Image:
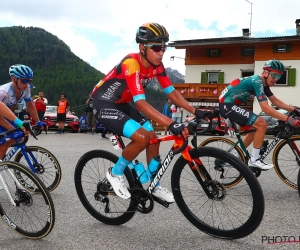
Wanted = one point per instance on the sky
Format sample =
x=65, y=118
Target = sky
x=102, y=32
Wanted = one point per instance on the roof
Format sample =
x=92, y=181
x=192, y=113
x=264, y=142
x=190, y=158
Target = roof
x=232, y=40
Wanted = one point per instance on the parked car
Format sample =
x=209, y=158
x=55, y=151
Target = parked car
x=273, y=128
x=215, y=129
x=83, y=127
x=50, y=118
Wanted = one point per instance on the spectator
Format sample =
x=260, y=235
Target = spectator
x=167, y=112
x=40, y=105
x=90, y=115
x=176, y=113
x=104, y=132
x=62, y=109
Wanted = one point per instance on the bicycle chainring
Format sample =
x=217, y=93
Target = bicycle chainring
x=141, y=200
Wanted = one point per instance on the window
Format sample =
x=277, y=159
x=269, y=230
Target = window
x=247, y=51
x=283, y=80
x=288, y=78
x=281, y=48
x=212, y=78
x=213, y=53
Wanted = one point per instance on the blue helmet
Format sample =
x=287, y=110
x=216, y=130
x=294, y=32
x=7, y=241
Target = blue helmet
x=20, y=71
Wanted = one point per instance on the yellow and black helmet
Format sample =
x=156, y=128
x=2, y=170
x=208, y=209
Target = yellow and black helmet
x=152, y=32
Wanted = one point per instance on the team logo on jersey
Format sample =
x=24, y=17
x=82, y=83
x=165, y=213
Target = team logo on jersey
x=241, y=111
x=137, y=81
x=261, y=89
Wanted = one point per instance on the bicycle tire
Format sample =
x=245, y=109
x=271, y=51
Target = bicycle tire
x=90, y=162
x=50, y=172
x=27, y=219
x=215, y=221
x=226, y=144
x=285, y=164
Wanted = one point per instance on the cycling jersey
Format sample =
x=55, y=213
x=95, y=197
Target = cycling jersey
x=244, y=89
x=126, y=82
x=8, y=97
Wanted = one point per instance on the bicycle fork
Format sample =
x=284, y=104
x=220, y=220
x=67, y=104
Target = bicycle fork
x=3, y=184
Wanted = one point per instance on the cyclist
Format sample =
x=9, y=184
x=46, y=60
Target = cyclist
x=112, y=107
x=245, y=88
x=11, y=94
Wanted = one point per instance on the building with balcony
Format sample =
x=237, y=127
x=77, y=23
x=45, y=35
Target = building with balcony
x=211, y=64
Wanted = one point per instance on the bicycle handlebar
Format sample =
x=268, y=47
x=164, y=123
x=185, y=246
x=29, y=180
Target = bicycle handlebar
x=192, y=126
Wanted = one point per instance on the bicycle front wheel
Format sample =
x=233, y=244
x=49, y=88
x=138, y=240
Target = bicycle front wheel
x=29, y=213
x=229, y=213
x=232, y=175
x=45, y=163
x=286, y=164
x=96, y=193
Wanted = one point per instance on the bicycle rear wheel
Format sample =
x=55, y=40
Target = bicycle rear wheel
x=96, y=193
x=34, y=214
x=47, y=166
x=229, y=213
x=232, y=175
x=286, y=164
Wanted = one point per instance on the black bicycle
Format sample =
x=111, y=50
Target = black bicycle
x=218, y=211
x=286, y=155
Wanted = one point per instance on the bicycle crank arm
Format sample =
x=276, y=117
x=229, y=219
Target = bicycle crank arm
x=161, y=201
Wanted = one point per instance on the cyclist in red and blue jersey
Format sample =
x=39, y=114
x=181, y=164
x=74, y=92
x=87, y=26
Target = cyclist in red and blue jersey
x=126, y=82
x=243, y=89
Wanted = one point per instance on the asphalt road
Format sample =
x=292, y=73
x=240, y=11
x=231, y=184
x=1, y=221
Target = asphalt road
x=162, y=228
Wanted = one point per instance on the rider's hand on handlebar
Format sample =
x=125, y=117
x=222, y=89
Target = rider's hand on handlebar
x=41, y=124
x=179, y=129
x=297, y=111
x=293, y=122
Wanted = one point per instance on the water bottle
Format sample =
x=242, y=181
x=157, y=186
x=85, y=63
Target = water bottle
x=263, y=147
x=140, y=172
x=153, y=166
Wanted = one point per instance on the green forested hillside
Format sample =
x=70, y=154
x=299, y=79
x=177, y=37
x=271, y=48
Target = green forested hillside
x=56, y=69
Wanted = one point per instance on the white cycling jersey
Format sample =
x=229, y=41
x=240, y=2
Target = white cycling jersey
x=8, y=97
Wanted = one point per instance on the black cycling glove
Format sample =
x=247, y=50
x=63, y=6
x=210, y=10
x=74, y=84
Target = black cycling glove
x=202, y=113
x=297, y=111
x=176, y=128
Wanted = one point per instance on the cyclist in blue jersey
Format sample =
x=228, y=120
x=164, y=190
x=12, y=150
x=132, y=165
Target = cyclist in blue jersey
x=246, y=88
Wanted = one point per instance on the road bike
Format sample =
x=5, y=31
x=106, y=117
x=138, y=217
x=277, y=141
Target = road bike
x=25, y=203
x=229, y=213
x=286, y=155
x=39, y=160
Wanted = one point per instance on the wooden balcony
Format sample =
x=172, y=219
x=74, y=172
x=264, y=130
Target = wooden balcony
x=200, y=92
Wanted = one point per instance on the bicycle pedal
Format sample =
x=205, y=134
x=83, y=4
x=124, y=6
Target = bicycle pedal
x=161, y=201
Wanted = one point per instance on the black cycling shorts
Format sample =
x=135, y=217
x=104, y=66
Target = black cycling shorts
x=114, y=116
x=241, y=116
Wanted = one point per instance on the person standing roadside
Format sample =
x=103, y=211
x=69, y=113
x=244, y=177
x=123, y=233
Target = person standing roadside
x=90, y=116
x=62, y=109
x=167, y=112
x=40, y=105
x=176, y=113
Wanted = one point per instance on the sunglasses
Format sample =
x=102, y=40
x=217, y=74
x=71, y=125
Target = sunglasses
x=275, y=75
x=25, y=81
x=156, y=47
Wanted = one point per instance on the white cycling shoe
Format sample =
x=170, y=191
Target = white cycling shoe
x=260, y=164
x=163, y=194
x=118, y=184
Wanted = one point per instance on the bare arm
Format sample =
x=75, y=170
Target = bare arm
x=280, y=104
x=177, y=98
x=152, y=113
x=265, y=107
x=32, y=111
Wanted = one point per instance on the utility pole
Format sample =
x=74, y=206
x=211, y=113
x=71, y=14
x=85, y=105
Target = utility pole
x=250, y=15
